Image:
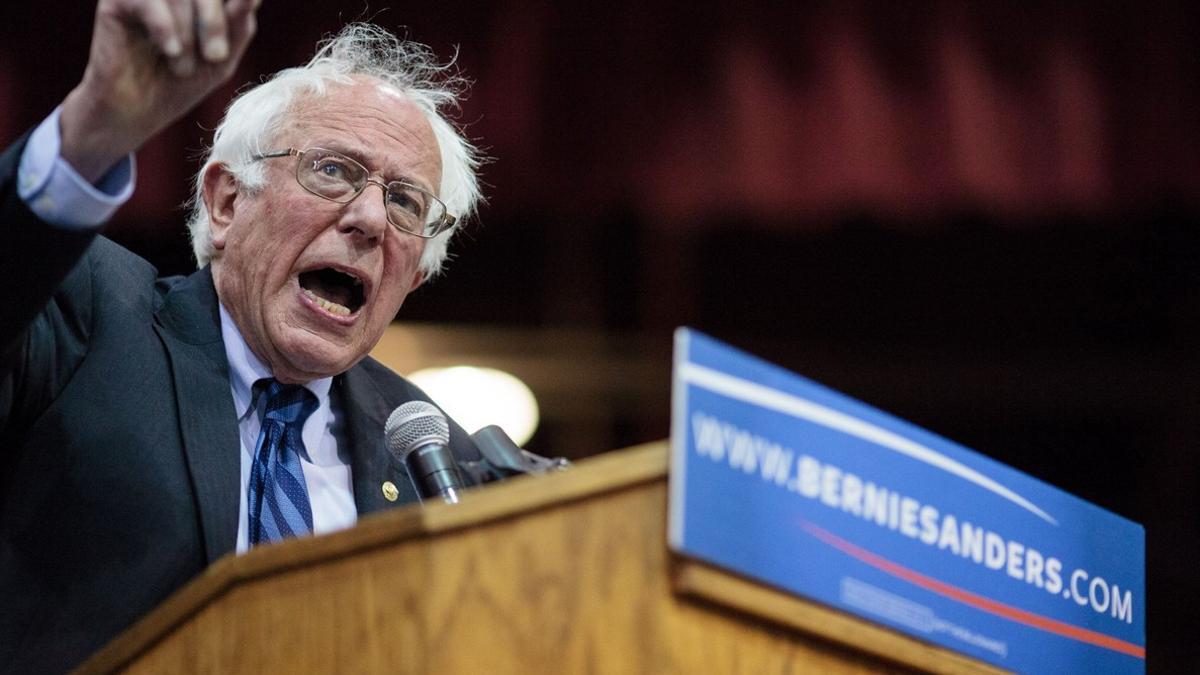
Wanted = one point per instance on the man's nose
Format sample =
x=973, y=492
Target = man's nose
x=366, y=216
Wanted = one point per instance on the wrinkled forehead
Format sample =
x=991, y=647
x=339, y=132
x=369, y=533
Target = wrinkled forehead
x=377, y=123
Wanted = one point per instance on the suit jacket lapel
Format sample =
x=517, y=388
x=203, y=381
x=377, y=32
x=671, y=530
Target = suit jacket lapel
x=189, y=325
x=366, y=410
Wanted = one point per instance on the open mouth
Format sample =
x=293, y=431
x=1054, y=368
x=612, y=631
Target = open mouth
x=333, y=290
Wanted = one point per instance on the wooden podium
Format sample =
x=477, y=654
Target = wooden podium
x=565, y=573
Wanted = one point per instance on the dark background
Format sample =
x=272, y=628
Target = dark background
x=982, y=217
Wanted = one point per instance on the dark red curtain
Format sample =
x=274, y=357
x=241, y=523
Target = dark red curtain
x=688, y=113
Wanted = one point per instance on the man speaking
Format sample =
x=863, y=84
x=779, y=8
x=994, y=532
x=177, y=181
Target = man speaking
x=150, y=426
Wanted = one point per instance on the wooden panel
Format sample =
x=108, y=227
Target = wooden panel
x=702, y=581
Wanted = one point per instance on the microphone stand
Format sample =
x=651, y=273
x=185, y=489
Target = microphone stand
x=502, y=459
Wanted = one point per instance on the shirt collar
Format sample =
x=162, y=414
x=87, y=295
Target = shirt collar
x=245, y=368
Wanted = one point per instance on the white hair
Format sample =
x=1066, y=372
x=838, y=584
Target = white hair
x=257, y=115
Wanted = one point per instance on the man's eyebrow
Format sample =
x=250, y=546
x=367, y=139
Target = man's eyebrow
x=359, y=155
x=355, y=153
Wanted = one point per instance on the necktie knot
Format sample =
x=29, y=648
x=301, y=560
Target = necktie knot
x=287, y=403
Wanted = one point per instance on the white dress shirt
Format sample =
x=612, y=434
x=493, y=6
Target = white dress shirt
x=57, y=194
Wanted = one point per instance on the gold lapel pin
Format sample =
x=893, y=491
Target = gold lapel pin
x=390, y=492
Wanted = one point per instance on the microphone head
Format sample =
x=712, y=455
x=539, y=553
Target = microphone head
x=413, y=425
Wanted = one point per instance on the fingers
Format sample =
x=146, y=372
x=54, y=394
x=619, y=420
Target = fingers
x=184, y=15
x=160, y=25
x=211, y=30
x=190, y=32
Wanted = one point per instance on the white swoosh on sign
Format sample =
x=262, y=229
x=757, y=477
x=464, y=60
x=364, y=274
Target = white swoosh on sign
x=751, y=392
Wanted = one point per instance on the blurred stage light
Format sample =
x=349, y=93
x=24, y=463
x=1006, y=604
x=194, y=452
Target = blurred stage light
x=477, y=397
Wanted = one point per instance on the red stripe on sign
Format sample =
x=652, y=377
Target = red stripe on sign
x=977, y=601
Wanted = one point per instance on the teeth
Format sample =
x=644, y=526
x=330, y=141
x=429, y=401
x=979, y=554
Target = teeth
x=328, y=306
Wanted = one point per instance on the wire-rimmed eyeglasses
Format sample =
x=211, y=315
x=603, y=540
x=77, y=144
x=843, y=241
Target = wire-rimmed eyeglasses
x=338, y=178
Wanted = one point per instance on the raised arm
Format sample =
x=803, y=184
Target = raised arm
x=150, y=62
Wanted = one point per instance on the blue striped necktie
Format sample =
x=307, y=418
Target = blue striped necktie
x=277, y=498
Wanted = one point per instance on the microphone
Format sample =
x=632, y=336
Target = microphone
x=418, y=436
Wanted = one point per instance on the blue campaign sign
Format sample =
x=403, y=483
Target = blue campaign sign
x=784, y=480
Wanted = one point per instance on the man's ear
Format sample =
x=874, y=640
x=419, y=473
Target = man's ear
x=220, y=198
x=418, y=279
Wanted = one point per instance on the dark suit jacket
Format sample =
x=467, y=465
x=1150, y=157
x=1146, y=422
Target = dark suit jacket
x=119, y=447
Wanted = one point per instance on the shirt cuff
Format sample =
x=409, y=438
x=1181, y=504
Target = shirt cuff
x=57, y=194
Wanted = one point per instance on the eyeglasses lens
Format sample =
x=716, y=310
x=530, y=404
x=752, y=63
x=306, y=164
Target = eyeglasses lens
x=341, y=179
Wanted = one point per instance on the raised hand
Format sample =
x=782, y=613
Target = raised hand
x=150, y=62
